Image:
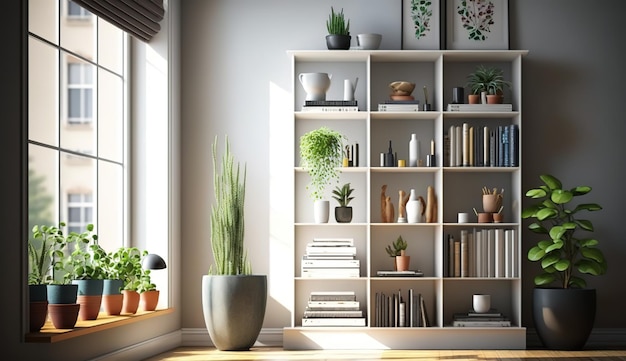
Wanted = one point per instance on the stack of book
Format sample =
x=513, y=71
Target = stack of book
x=330, y=106
x=399, y=106
x=492, y=318
x=394, y=310
x=330, y=258
x=333, y=308
x=480, y=107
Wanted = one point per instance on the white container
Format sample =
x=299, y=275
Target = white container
x=414, y=151
x=481, y=303
x=413, y=208
x=315, y=84
x=368, y=41
x=321, y=210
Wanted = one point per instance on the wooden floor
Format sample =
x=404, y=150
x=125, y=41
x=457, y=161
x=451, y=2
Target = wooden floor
x=273, y=353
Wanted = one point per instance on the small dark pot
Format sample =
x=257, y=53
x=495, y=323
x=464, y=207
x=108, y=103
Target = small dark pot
x=338, y=42
x=343, y=214
x=564, y=317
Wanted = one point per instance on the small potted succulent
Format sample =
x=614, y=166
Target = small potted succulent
x=343, y=213
x=489, y=80
x=397, y=250
x=338, y=27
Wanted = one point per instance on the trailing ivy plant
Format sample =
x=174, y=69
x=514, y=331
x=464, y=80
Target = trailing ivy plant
x=227, y=216
x=564, y=255
x=321, y=155
x=337, y=24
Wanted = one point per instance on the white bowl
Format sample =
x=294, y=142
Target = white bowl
x=368, y=41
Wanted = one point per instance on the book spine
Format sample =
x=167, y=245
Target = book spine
x=464, y=254
x=514, y=145
x=466, y=145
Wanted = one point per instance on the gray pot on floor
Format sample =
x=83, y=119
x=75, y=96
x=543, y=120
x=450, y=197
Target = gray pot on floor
x=234, y=308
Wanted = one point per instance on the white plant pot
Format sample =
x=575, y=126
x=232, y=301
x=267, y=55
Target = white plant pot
x=321, y=210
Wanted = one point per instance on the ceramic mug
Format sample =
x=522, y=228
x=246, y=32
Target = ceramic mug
x=481, y=303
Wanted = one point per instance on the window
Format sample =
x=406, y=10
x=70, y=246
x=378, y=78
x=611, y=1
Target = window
x=77, y=124
x=75, y=11
x=79, y=211
x=79, y=93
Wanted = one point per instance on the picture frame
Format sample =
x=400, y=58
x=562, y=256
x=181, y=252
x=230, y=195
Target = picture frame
x=421, y=24
x=467, y=30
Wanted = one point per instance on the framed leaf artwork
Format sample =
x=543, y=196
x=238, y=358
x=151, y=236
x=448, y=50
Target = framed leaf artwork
x=477, y=24
x=421, y=24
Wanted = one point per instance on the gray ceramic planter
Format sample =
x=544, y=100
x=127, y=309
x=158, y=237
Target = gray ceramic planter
x=234, y=308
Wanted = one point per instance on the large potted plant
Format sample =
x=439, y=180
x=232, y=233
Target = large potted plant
x=563, y=308
x=338, y=27
x=321, y=156
x=233, y=299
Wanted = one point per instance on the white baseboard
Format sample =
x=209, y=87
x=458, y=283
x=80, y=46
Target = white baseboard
x=148, y=348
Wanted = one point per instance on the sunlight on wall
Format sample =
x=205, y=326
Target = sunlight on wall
x=281, y=287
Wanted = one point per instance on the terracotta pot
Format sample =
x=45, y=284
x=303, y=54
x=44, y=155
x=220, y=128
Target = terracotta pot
x=131, y=301
x=38, y=314
x=112, y=304
x=473, y=99
x=402, y=263
x=494, y=99
x=63, y=315
x=148, y=300
x=89, y=307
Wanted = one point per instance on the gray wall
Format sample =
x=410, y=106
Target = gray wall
x=235, y=51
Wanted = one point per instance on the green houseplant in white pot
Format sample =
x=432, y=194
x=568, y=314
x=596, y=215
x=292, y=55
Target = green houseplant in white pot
x=233, y=299
x=567, y=251
x=321, y=155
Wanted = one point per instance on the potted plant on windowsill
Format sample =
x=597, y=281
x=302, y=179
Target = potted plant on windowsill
x=112, y=285
x=84, y=269
x=566, y=254
x=343, y=213
x=233, y=299
x=338, y=27
x=127, y=260
x=321, y=156
x=148, y=293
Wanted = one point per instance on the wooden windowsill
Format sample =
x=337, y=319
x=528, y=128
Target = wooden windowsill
x=49, y=334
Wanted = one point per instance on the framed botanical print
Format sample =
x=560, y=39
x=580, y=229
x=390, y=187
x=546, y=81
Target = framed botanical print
x=477, y=24
x=421, y=24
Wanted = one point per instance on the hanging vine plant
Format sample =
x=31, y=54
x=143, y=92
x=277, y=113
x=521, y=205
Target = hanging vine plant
x=321, y=155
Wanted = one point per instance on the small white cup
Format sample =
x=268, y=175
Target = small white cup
x=481, y=303
x=463, y=217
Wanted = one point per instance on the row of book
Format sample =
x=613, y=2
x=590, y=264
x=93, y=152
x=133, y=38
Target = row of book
x=333, y=308
x=491, y=318
x=330, y=106
x=481, y=146
x=492, y=252
x=330, y=258
x=394, y=310
x=480, y=107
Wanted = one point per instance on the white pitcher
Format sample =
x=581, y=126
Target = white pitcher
x=349, y=89
x=315, y=84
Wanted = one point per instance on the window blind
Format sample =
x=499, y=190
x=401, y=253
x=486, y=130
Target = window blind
x=139, y=18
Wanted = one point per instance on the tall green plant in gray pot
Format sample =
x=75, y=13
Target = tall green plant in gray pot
x=321, y=156
x=563, y=308
x=233, y=299
x=338, y=27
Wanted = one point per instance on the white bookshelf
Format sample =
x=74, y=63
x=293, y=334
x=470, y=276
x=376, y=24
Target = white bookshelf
x=457, y=189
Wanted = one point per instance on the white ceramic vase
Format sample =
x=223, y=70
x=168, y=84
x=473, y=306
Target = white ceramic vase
x=413, y=151
x=412, y=208
x=315, y=84
x=321, y=210
x=481, y=303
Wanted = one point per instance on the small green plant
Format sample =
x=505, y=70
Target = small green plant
x=486, y=79
x=145, y=283
x=321, y=155
x=563, y=252
x=84, y=262
x=126, y=264
x=342, y=194
x=337, y=24
x=41, y=252
x=227, y=216
x=396, y=248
